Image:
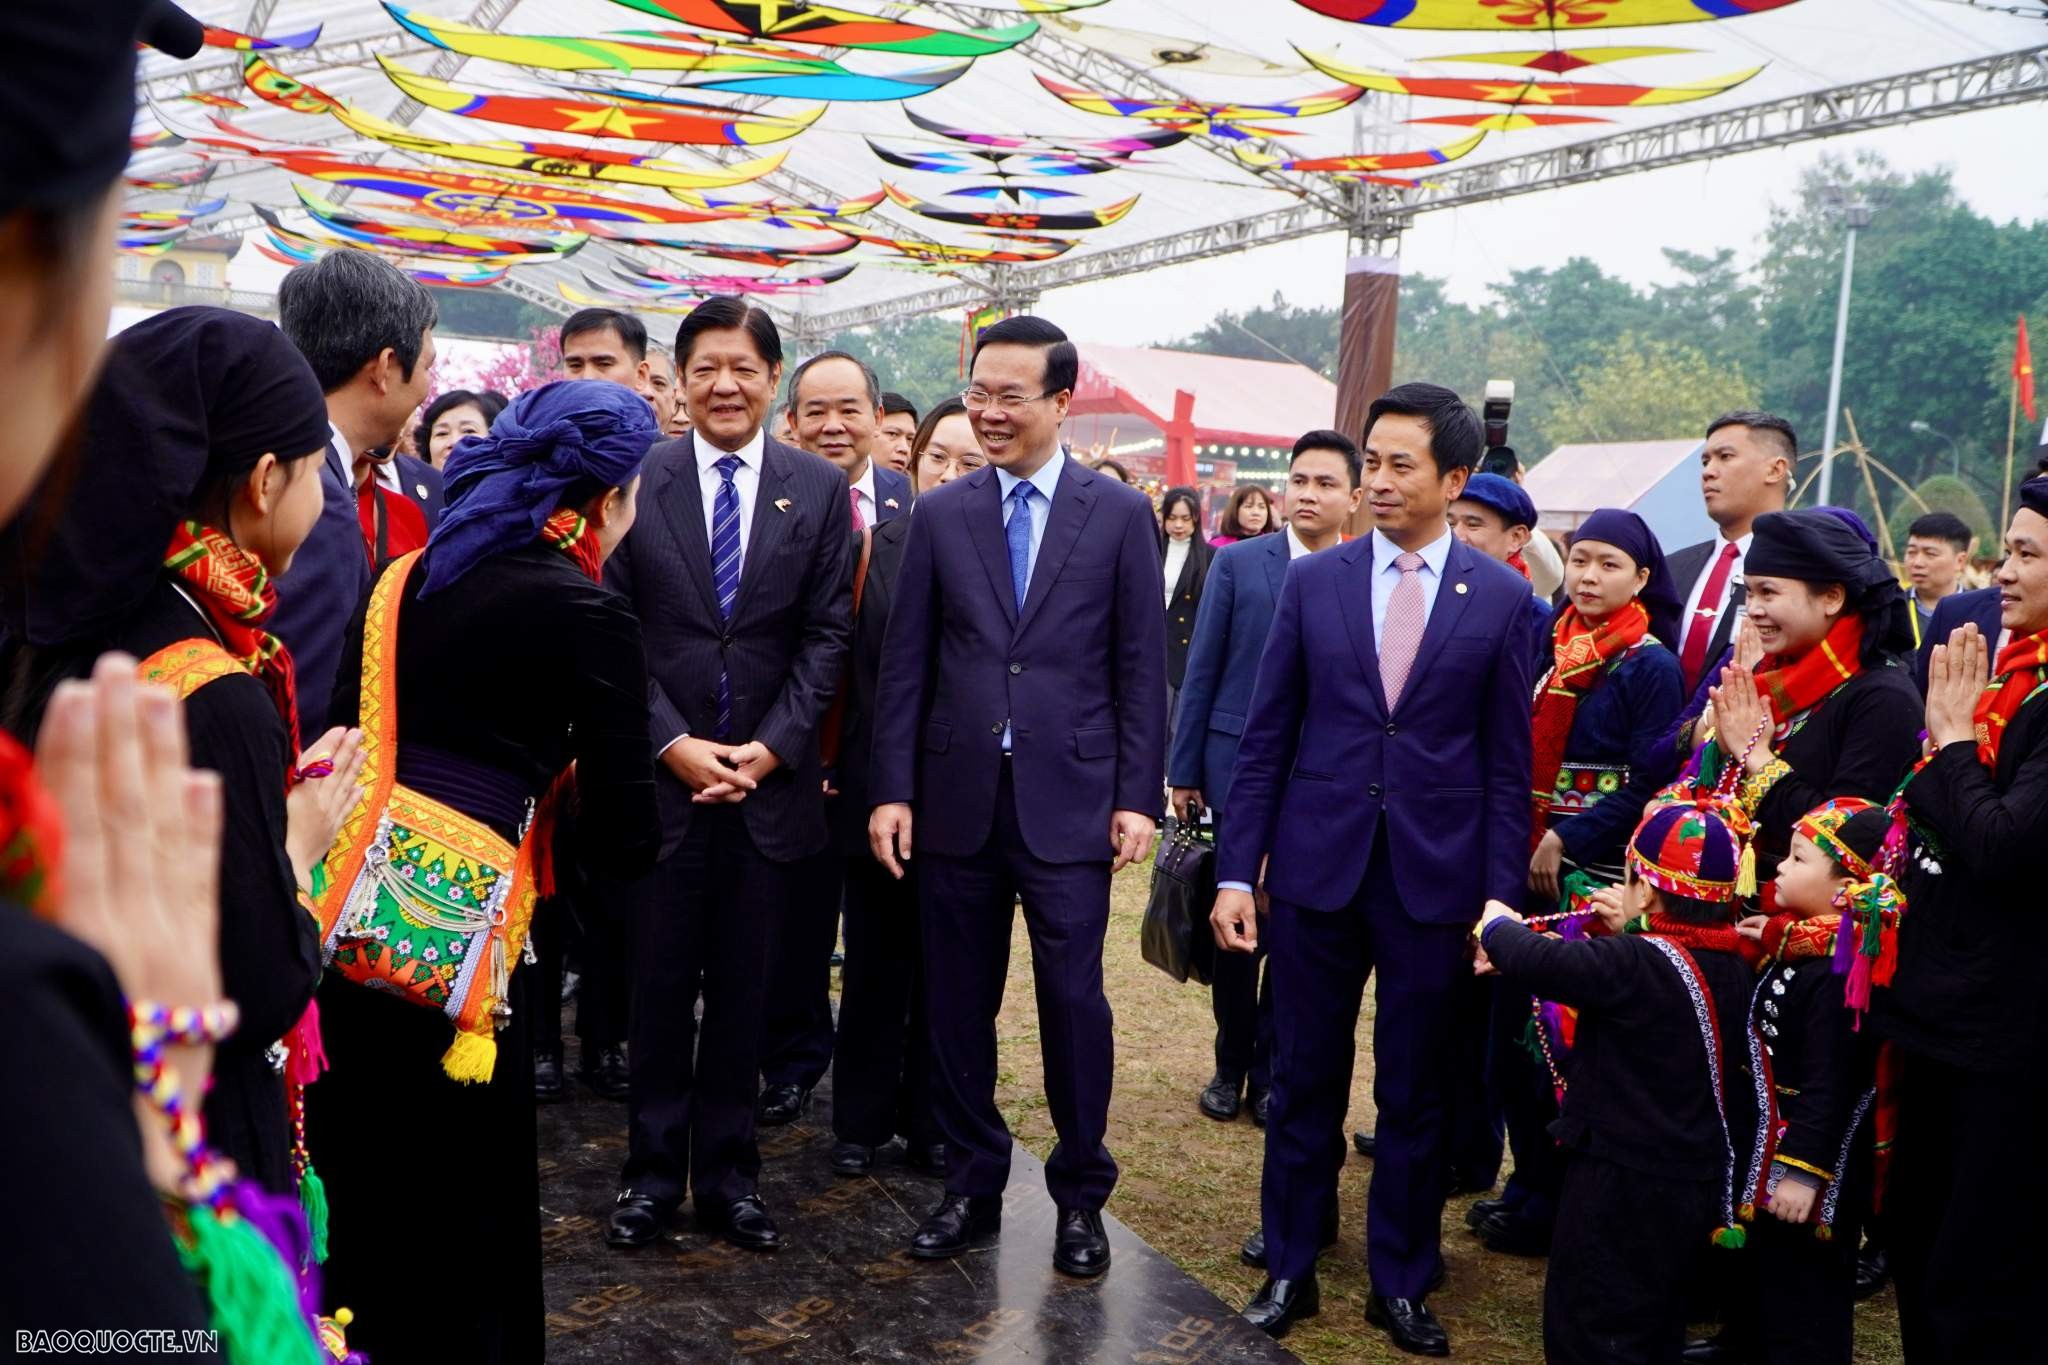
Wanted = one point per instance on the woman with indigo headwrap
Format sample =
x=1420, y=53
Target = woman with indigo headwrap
x=1601, y=712
x=514, y=667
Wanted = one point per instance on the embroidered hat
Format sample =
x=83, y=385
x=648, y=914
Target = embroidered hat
x=1690, y=848
x=1849, y=830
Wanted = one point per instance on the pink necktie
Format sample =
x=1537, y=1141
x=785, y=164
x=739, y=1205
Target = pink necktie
x=1403, y=635
x=859, y=522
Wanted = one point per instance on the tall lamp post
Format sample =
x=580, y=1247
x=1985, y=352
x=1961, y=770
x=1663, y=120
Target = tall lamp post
x=1955, y=455
x=1856, y=217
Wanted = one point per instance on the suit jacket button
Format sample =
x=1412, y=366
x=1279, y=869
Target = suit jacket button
x=1016, y=668
x=996, y=729
x=1392, y=728
x=1373, y=790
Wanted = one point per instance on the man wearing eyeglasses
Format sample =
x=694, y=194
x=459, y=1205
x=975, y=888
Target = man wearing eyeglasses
x=1020, y=736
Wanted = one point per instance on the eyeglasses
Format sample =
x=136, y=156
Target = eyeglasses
x=978, y=400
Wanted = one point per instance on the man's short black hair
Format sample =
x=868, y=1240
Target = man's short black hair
x=725, y=312
x=1062, y=361
x=632, y=332
x=1943, y=526
x=874, y=386
x=1455, y=434
x=1787, y=439
x=896, y=405
x=1326, y=439
x=345, y=309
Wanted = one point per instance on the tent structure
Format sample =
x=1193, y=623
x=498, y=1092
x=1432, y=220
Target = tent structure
x=1657, y=480
x=1188, y=418
x=1288, y=118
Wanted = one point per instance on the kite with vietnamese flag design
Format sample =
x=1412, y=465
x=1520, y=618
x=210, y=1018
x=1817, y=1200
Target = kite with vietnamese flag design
x=792, y=21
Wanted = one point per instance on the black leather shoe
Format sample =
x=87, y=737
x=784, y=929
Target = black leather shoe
x=958, y=1223
x=636, y=1221
x=1514, y=1234
x=746, y=1224
x=1714, y=1350
x=1221, y=1098
x=852, y=1158
x=1368, y=1144
x=781, y=1104
x=1260, y=1104
x=1253, y=1253
x=927, y=1157
x=1483, y=1209
x=547, y=1075
x=1460, y=1185
x=1873, y=1272
x=1410, y=1324
x=1280, y=1304
x=604, y=1070
x=1079, y=1245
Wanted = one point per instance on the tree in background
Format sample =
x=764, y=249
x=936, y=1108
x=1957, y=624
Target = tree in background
x=1945, y=493
x=916, y=357
x=512, y=371
x=1638, y=388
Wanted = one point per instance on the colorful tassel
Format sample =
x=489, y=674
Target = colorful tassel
x=1745, y=873
x=252, y=1298
x=313, y=1197
x=470, y=1059
x=307, y=1051
x=1731, y=1238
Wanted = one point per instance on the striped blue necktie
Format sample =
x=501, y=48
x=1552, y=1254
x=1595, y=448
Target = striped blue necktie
x=725, y=570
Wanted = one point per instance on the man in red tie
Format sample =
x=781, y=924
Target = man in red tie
x=1745, y=471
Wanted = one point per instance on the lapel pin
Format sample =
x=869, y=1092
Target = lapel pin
x=1459, y=589
x=890, y=502
x=782, y=504
x=420, y=489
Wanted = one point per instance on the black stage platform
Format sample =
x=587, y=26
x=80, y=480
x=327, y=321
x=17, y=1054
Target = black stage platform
x=844, y=1290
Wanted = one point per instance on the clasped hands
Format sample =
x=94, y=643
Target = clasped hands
x=1957, y=674
x=719, y=774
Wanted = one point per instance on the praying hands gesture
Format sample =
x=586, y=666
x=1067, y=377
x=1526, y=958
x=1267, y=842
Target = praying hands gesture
x=1740, y=718
x=1957, y=674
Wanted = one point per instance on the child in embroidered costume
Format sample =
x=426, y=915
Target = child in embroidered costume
x=1658, y=1099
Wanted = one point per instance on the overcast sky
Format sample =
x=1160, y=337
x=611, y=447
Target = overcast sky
x=1999, y=157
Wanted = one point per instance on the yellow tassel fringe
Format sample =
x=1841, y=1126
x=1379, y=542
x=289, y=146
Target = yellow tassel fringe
x=470, y=1059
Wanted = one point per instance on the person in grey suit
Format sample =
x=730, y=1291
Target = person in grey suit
x=740, y=567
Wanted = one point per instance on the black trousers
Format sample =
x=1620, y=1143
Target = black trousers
x=1474, y=1126
x=968, y=907
x=1625, y=1249
x=797, y=1046
x=593, y=937
x=1244, y=1018
x=1962, y=1214
x=1528, y=1100
x=881, y=1063
x=702, y=922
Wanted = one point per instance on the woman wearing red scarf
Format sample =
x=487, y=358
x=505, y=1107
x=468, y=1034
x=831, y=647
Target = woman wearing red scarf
x=512, y=662
x=199, y=449
x=1963, y=1205
x=1831, y=702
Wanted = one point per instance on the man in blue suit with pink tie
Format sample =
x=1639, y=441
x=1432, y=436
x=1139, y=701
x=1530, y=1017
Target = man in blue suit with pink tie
x=1383, y=779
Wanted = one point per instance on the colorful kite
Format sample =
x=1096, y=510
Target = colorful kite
x=1562, y=61
x=242, y=42
x=1022, y=252
x=791, y=21
x=426, y=241
x=839, y=86
x=656, y=281
x=387, y=247
x=777, y=213
x=835, y=244
x=1018, y=221
x=1538, y=15
x=565, y=53
x=161, y=137
x=169, y=180
x=1570, y=94
x=1509, y=123
x=643, y=120
x=146, y=220
x=1002, y=165
x=213, y=100
x=148, y=246
x=1155, y=50
x=1221, y=120
x=1109, y=148
x=294, y=254
x=579, y=297
x=1016, y=194
x=1382, y=161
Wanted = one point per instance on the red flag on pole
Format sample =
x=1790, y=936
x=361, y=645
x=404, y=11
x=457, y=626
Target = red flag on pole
x=2023, y=371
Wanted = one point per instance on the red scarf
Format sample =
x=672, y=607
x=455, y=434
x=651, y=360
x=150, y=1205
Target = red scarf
x=2019, y=671
x=568, y=532
x=1583, y=651
x=31, y=833
x=1791, y=686
x=1520, y=565
x=234, y=590
x=1697, y=938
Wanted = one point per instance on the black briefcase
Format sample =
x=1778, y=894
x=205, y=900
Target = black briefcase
x=1176, y=937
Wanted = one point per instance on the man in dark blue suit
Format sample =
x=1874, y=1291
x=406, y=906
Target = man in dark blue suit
x=1979, y=606
x=1215, y=696
x=837, y=403
x=367, y=329
x=1384, y=770
x=1021, y=714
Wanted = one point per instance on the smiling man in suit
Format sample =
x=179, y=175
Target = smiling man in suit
x=1745, y=471
x=1323, y=490
x=837, y=403
x=1021, y=717
x=740, y=568
x=1384, y=769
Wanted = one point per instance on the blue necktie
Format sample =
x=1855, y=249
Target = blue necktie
x=1018, y=533
x=725, y=569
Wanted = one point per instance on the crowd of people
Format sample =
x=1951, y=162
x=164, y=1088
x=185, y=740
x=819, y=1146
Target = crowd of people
x=347, y=760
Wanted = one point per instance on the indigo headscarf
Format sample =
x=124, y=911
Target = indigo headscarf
x=501, y=488
x=1821, y=545
x=1631, y=535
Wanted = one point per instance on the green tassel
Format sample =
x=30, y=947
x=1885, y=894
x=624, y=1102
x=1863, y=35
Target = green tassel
x=1731, y=1238
x=252, y=1298
x=313, y=1196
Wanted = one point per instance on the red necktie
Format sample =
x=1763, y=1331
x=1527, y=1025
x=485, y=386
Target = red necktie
x=859, y=522
x=1701, y=629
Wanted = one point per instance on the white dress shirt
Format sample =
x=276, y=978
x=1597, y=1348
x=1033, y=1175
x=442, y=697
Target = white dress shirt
x=746, y=481
x=1386, y=576
x=1295, y=548
x=1176, y=560
x=1699, y=588
x=1042, y=484
x=344, y=462
x=864, y=495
